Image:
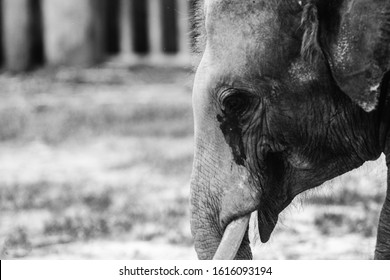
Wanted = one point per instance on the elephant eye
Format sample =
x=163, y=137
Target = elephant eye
x=236, y=104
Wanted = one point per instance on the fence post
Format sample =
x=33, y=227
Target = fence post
x=17, y=39
x=74, y=31
x=1, y=34
x=183, y=8
x=126, y=30
x=155, y=29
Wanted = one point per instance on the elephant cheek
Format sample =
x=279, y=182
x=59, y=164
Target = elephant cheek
x=240, y=197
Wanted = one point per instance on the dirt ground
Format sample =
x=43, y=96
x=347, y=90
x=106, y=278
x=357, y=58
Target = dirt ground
x=95, y=164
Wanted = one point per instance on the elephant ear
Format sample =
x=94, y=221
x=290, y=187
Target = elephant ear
x=353, y=36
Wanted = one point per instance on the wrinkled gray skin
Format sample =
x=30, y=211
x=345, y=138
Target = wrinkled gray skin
x=288, y=94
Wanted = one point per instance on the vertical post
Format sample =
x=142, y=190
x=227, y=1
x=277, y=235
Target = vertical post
x=155, y=29
x=126, y=30
x=1, y=33
x=74, y=31
x=17, y=36
x=183, y=8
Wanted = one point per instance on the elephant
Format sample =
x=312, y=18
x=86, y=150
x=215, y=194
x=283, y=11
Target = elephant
x=287, y=95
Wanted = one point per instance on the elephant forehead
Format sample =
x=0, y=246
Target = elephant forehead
x=235, y=8
x=238, y=30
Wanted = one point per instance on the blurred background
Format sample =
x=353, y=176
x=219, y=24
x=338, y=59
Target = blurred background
x=96, y=142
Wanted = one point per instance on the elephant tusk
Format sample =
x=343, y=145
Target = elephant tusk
x=232, y=238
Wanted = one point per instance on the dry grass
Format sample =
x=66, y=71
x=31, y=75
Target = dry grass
x=87, y=157
x=96, y=164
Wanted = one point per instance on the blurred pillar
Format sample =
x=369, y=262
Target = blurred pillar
x=183, y=7
x=74, y=31
x=155, y=29
x=17, y=38
x=126, y=29
x=1, y=32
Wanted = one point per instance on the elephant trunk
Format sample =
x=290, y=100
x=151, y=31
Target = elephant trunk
x=221, y=203
x=222, y=190
x=212, y=242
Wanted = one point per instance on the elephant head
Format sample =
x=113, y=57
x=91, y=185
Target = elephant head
x=287, y=95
